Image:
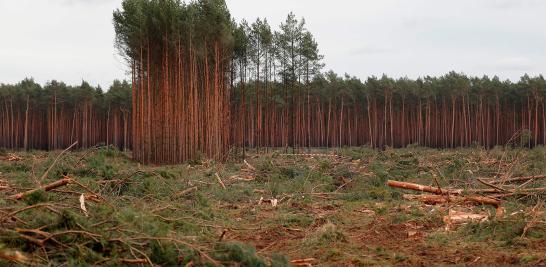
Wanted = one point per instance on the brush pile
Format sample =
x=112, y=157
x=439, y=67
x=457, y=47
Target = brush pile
x=82, y=211
x=494, y=194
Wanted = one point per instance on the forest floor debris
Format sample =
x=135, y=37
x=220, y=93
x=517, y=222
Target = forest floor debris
x=313, y=210
x=13, y=157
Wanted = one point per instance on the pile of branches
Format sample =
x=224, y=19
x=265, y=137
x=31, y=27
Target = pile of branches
x=495, y=192
x=66, y=221
x=53, y=231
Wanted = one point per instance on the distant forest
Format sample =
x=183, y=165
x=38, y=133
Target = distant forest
x=203, y=83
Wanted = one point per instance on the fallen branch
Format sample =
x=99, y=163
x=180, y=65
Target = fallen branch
x=16, y=257
x=512, y=192
x=220, y=180
x=55, y=161
x=310, y=155
x=536, y=211
x=423, y=188
x=46, y=188
x=519, y=179
x=441, y=199
x=185, y=191
x=238, y=178
x=74, y=181
x=11, y=214
x=205, y=255
x=493, y=186
x=249, y=166
x=303, y=262
x=13, y=157
x=134, y=261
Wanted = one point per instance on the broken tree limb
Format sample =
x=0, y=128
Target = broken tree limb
x=441, y=199
x=134, y=261
x=15, y=256
x=46, y=188
x=523, y=191
x=186, y=191
x=55, y=161
x=519, y=179
x=423, y=188
x=493, y=186
x=220, y=180
x=249, y=166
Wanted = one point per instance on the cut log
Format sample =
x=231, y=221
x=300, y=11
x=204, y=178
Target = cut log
x=455, y=218
x=441, y=199
x=423, y=188
x=47, y=187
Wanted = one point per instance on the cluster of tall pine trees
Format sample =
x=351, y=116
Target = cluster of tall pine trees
x=179, y=54
x=57, y=115
x=203, y=83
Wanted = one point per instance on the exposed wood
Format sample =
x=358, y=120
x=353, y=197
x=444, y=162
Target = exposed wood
x=442, y=199
x=186, y=191
x=423, y=188
x=456, y=218
x=492, y=185
x=519, y=179
x=248, y=165
x=220, y=180
x=46, y=188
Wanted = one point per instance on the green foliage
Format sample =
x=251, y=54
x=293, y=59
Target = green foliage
x=437, y=239
x=68, y=220
x=15, y=167
x=164, y=254
x=278, y=260
x=506, y=231
x=327, y=235
x=36, y=197
x=244, y=255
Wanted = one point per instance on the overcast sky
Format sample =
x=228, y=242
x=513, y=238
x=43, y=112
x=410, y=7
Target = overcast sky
x=71, y=40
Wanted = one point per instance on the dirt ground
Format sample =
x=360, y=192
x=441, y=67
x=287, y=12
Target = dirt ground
x=275, y=208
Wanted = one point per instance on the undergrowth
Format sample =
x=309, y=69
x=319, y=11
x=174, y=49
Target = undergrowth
x=335, y=210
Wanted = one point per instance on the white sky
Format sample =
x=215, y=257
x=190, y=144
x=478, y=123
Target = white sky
x=71, y=40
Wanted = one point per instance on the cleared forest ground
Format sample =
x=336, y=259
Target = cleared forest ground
x=275, y=209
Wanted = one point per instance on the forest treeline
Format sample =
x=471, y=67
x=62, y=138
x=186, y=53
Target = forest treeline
x=57, y=115
x=280, y=98
x=448, y=111
x=202, y=83
x=444, y=112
